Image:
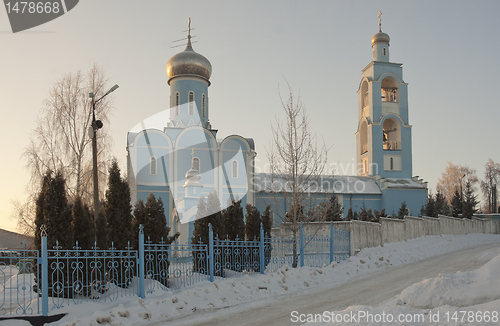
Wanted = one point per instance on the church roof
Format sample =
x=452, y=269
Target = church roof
x=407, y=183
x=339, y=184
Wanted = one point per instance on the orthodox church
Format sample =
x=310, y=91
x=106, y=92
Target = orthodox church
x=383, y=147
x=185, y=160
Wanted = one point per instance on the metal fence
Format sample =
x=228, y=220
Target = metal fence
x=62, y=277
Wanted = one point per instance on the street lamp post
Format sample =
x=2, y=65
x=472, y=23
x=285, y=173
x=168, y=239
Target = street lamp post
x=96, y=124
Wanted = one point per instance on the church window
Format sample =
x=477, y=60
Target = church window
x=203, y=106
x=384, y=51
x=196, y=163
x=152, y=165
x=234, y=169
x=191, y=103
x=389, y=90
x=392, y=163
x=177, y=103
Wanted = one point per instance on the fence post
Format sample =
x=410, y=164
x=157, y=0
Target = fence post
x=301, y=245
x=45, y=274
x=331, y=242
x=261, y=249
x=141, y=291
x=211, y=251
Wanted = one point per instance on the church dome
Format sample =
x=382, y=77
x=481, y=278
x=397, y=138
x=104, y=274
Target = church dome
x=380, y=37
x=189, y=63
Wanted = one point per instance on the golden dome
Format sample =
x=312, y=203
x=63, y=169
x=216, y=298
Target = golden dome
x=189, y=63
x=380, y=37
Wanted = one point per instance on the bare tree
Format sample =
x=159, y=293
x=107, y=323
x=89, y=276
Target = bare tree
x=488, y=186
x=61, y=141
x=452, y=177
x=296, y=161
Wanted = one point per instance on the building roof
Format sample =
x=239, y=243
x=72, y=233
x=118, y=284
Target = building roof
x=343, y=184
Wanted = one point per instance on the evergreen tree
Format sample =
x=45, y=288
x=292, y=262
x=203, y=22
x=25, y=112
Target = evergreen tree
x=57, y=214
x=334, y=209
x=430, y=206
x=139, y=218
x=349, y=214
x=470, y=201
x=403, y=211
x=379, y=214
x=456, y=204
x=83, y=228
x=253, y=220
x=215, y=215
x=39, y=213
x=200, y=233
x=363, y=215
x=234, y=220
x=101, y=232
x=355, y=216
x=370, y=216
x=441, y=207
x=118, y=209
x=267, y=221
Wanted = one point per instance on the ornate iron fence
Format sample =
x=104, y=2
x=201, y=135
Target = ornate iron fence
x=74, y=276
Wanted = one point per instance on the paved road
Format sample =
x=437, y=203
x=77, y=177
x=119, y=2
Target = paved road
x=368, y=290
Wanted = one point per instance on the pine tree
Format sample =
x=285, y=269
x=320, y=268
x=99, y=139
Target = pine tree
x=101, y=227
x=456, y=204
x=442, y=207
x=334, y=209
x=267, y=221
x=57, y=214
x=355, y=216
x=403, y=211
x=118, y=209
x=215, y=215
x=363, y=215
x=234, y=220
x=83, y=228
x=370, y=216
x=350, y=215
x=430, y=206
x=39, y=213
x=470, y=201
x=200, y=233
x=253, y=220
x=139, y=218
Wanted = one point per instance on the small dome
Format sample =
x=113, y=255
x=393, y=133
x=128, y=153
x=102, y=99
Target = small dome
x=193, y=177
x=189, y=63
x=380, y=37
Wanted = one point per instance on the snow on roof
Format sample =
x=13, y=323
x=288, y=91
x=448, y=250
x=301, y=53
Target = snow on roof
x=343, y=184
x=401, y=183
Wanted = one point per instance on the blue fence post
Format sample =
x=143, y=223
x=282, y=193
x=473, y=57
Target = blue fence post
x=45, y=274
x=141, y=291
x=261, y=249
x=331, y=242
x=211, y=251
x=301, y=244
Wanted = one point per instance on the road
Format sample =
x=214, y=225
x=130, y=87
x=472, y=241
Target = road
x=367, y=290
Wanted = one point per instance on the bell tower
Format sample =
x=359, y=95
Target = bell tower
x=383, y=138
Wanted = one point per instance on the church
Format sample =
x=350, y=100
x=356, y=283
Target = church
x=384, y=177
x=186, y=159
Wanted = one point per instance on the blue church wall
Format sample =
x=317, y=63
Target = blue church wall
x=184, y=86
x=414, y=198
x=152, y=143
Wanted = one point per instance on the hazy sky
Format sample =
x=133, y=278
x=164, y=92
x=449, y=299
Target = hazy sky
x=449, y=50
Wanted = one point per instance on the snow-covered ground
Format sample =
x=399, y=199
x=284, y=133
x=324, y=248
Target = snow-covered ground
x=477, y=291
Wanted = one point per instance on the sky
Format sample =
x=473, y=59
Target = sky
x=449, y=51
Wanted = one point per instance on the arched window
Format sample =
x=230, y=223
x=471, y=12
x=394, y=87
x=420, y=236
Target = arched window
x=364, y=137
x=391, y=135
x=234, y=169
x=389, y=90
x=152, y=165
x=392, y=163
x=203, y=106
x=177, y=102
x=191, y=103
x=384, y=51
x=196, y=163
